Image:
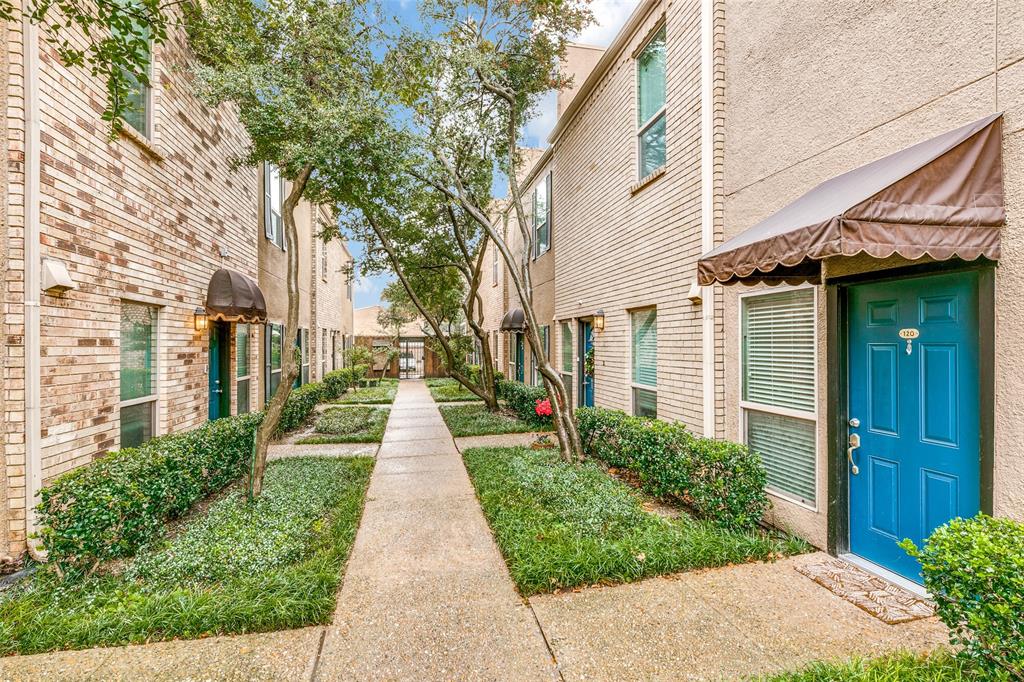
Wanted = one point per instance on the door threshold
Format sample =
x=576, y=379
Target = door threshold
x=886, y=574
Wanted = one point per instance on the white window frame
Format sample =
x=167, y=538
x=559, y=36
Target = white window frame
x=641, y=127
x=629, y=368
x=248, y=365
x=537, y=251
x=157, y=369
x=749, y=406
x=494, y=265
x=276, y=234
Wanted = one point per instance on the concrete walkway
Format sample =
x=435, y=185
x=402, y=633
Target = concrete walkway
x=426, y=593
x=427, y=596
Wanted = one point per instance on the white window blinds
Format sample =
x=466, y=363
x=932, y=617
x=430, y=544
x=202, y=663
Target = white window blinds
x=778, y=349
x=645, y=347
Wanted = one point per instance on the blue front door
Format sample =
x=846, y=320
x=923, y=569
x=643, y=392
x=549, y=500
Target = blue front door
x=219, y=370
x=914, y=403
x=586, y=392
x=520, y=358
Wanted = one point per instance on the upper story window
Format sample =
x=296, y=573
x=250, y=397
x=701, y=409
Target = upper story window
x=138, y=113
x=650, y=95
x=323, y=261
x=542, y=216
x=494, y=265
x=273, y=194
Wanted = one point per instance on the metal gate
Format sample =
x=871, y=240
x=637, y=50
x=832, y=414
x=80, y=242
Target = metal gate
x=410, y=359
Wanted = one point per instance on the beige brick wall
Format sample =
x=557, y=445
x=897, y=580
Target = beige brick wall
x=142, y=220
x=619, y=249
x=893, y=74
x=333, y=306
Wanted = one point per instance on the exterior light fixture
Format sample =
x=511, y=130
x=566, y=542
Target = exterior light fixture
x=200, y=319
x=599, y=320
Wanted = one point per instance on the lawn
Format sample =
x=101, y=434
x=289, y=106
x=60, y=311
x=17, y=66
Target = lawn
x=475, y=420
x=449, y=391
x=938, y=667
x=381, y=394
x=237, y=567
x=560, y=525
x=356, y=424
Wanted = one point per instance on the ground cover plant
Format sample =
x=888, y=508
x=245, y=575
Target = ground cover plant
x=450, y=391
x=270, y=564
x=381, y=394
x=901, y=667
x=477, y=420
x=561, y=525
x=355, y=424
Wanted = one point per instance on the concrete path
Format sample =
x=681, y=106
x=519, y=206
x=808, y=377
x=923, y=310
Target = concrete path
x=426, y=593
x=719, y=624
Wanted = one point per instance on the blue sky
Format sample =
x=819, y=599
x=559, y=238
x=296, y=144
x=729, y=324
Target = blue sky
x=609, y=16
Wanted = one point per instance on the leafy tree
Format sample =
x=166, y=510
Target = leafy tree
x=112, y=39
x=486, y=64
x=302, y=77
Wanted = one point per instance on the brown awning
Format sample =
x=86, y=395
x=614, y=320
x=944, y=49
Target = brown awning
x=514, y=321
x=942, y=198
x=234, y=297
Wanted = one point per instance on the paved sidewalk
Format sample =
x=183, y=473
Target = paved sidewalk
x=426, y=592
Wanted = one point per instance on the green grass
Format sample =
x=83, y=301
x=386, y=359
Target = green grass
x=356, y=424
x=561, y=525
x=475, y=420
x=382, y=394
x=903, y=667
x=450, y=392
x=238, y=567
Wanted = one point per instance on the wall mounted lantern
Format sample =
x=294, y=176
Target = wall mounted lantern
x=200, y=319
x=599, y=320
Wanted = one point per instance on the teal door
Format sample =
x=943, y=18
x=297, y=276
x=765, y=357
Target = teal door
x=220, y=370
x=914, y=405
x=520, y=358
x=586, y=392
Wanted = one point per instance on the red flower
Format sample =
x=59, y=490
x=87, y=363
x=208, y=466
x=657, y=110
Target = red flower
x=543, y=408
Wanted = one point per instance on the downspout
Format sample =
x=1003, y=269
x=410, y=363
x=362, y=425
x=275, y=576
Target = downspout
x=33, y=429
x=707, y=206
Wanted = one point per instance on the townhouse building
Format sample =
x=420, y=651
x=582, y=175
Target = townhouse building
x=859, y=335
x=134, y=286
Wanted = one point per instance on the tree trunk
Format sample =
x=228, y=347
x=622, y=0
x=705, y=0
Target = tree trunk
x=289, y=366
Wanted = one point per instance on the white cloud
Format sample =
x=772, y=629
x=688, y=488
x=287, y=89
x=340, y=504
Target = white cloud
x=538, y=128
x=365, y=285
x=609, y=16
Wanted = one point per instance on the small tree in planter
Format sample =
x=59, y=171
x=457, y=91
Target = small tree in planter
x=355, y=357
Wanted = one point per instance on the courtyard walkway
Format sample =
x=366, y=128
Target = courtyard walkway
x=426, y=596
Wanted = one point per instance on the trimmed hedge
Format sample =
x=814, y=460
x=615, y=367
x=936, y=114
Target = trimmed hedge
x=336, y=383
x=111, y=507
x=974, y=570
x=720, y=481
x=522, y=400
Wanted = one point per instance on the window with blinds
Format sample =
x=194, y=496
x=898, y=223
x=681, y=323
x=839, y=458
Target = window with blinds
x=566, y=348
x=779, y=388
x=644, y=326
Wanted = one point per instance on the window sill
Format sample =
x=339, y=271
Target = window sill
x=646, y=180
x=141, y=141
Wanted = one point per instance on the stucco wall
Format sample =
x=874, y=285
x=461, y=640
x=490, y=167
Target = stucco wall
x=883, y=77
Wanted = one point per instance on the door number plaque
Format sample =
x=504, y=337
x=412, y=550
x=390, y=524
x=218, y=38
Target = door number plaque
x=909, y=335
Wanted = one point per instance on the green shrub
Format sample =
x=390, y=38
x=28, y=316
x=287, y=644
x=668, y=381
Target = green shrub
x=974, y=570
x=522, y=400
x=111, y=507
x=300, y=404
x=335, y=384
x=719, y=480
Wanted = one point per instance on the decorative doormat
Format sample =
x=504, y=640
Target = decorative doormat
x=888, y=602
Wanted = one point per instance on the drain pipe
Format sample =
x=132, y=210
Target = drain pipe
x=33, y=428
x=707, y=206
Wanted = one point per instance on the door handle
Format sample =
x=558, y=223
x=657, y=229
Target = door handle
x=854, y=444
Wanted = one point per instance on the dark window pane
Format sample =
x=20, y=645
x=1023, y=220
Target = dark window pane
x=645, y=403
x=138, y=342
x=242, y=350
x=136, y=424
x=275, y=346
x=243, y=396
x=652, y=147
